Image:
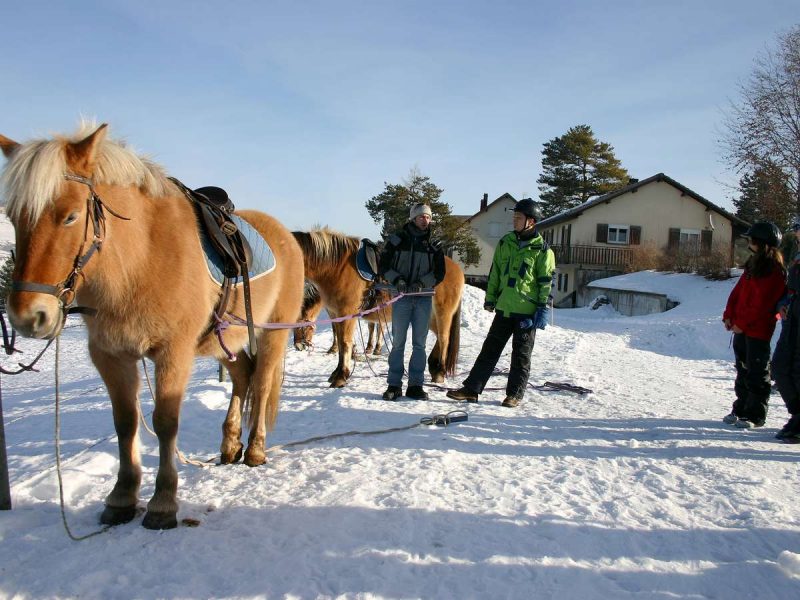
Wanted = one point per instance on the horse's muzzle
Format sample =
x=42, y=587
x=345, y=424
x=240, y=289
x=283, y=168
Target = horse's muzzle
x=35, y=315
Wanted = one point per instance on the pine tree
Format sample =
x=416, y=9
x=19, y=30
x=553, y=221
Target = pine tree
x=6, y=273
x=575, y=167
x=391, y=207
x=765, y=195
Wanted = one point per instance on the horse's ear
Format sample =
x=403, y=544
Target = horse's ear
x=81, y=155
x=8, y=146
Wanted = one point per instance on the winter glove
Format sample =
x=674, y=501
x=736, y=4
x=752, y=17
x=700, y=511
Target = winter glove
x=525, y=324
x=488, y=306
x=400, y=285
x=415, y=287
x=541, y=316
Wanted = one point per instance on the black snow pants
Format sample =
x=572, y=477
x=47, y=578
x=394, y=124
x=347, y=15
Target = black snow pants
x=752, y=385
x=786, y=361
x=522, y=342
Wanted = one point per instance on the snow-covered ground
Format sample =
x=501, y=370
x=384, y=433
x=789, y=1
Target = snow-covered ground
x=635, y=491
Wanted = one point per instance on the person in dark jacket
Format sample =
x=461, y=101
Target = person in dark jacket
x=518, y=293
x=414, y=264
x=786, y=360
x=750, y=315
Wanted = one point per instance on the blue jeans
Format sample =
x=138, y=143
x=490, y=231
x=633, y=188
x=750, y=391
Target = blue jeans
x=414, y=311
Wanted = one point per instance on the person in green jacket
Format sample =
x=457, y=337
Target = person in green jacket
x=518, y=293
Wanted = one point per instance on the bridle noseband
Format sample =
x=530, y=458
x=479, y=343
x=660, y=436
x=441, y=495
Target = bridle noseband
x=65, y=291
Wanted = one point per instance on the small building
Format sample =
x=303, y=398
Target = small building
x=599, y=238
x=489, y=224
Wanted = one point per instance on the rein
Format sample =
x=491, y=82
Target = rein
x=65, y=291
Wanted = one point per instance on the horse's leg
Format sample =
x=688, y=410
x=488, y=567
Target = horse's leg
x=334, y=343
x=173, y=368
x=345, y=341
x=437, y=355
x=335, y=348
x=121, y=377
x=371, y=341
x=267, y=380
x=378, y=339
x=240, y=371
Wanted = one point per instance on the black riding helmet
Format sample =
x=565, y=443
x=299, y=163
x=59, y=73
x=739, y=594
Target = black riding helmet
x=766, y=233
x=529, y=208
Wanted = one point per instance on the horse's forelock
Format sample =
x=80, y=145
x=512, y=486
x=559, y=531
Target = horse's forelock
x=35, y=172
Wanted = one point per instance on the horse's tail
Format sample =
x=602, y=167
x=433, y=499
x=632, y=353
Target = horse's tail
x=451, y=355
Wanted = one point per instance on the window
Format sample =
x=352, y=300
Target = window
x=495, y=229
x=566, y=282
x=690, y=239
x=559, y=282
x=618, y=234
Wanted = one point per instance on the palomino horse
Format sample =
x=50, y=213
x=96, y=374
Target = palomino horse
x=150, y=286
x=312, y=307
x=330, y=262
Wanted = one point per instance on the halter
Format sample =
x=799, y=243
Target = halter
x=65, y=291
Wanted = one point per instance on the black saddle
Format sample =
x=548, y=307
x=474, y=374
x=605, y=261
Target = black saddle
x=213, y=211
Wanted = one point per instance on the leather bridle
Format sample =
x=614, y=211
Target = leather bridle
x=65, y=291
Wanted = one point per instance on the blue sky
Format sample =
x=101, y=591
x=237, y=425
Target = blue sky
x=305, y=109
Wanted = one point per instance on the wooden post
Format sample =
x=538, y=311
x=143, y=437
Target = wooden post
x=221, y=373
x=5, y=489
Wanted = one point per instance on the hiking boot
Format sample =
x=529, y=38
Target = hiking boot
x=510, y=402
x=791, y=427
x=393, y=392
x=463, y=394
x=793, y=437
x=748, y=424
x=415, y=392
x=730, y=418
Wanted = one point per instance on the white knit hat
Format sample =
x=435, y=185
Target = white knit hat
x=419, y=209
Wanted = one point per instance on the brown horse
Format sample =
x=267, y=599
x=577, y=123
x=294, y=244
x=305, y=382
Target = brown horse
x=330, y=262
x=150, y=287
x=312, y=307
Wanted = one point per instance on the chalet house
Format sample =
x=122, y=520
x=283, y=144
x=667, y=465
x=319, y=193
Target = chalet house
x=597, y=238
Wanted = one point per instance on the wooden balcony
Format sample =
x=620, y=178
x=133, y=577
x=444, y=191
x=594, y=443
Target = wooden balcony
x=606, y=256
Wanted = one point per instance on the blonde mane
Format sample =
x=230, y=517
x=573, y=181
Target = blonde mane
x=35, y=172
x=325, y=247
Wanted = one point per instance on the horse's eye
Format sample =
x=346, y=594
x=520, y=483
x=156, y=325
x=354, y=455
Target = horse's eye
x=71, y=218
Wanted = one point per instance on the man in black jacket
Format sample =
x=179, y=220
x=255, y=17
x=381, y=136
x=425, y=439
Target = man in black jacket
x=412, y=263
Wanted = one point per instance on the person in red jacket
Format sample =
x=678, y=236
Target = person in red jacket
x=750, y=315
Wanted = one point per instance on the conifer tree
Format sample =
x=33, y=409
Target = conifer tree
x=575, y=167
x=391, y=207
x=765, y=195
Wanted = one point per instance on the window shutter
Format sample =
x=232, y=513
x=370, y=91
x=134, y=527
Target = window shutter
x=674, y=238
x=602, y=232
x=636, y=235
x=705, y=239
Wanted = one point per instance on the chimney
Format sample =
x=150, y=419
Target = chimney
x=484, y=202
x=632, y=180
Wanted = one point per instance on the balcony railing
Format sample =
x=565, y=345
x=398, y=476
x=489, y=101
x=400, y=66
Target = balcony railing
x=607, y=256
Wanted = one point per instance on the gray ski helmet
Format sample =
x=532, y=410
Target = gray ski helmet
x=529, y=208
x=765, y=232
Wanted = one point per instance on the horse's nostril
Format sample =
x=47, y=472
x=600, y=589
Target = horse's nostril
x=39, y=320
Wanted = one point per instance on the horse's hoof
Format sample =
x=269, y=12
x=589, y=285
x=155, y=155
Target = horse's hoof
x=154, y=520
x=438, y=378
x=254, y=459
x=231, y=457
x=338, y=383
x=117, y=515
x=299, y=347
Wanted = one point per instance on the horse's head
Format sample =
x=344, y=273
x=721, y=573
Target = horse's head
x=50, y=201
